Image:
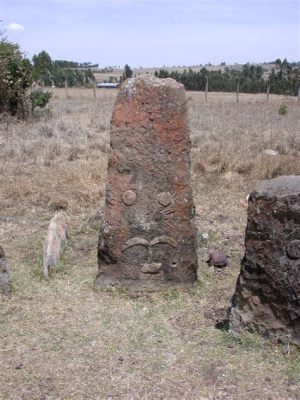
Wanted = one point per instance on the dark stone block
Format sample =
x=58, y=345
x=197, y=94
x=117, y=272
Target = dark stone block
x=267, y=296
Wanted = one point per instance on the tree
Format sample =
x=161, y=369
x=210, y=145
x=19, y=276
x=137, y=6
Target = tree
x=278, y=63
x=49, y=73
x=42, y=68
x=127, y=73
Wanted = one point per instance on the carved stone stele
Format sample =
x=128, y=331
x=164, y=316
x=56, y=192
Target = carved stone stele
x=267, y=296
x=148, y=237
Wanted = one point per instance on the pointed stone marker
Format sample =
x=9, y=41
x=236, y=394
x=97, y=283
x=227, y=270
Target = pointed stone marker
x=147, y=239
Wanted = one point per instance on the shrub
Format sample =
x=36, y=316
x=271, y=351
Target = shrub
x=15, y=79
x=283, y=109
x=39, y=98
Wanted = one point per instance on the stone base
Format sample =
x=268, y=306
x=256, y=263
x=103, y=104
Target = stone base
x=138, y=286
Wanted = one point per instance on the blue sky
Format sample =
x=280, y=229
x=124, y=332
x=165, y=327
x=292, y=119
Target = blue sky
x=155, y=32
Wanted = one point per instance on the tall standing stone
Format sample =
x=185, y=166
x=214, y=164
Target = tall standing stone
x=267, y=296
x=148, y=237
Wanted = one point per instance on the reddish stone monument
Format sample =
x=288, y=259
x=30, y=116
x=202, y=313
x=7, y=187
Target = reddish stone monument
x=267, y=296
x=147, y=239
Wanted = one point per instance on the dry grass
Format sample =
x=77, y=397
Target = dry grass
x=61, y=339
x=231, y=137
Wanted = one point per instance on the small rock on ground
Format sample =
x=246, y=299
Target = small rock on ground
x=217, y=258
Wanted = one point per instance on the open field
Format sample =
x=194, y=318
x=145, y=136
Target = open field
x=62, y=339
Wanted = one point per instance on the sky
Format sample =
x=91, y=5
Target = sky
x=154, y=33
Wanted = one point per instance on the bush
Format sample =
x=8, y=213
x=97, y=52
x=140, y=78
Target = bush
x=283, y=109
x=39, y=98
x=15, y=79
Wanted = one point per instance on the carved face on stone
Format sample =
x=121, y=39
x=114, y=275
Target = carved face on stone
x=149, y=198
x=162, y=218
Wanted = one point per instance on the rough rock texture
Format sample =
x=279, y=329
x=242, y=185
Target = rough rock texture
x=217, y=258
x=267, y=296
x=148, y=238
x=55, y=242
x=5, y=280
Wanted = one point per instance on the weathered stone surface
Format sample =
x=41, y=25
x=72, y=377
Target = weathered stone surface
x=5, y=280
x=148, y=238
x=267, y=296
x=55, y=242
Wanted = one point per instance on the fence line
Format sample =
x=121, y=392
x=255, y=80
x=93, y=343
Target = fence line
x=91, y=92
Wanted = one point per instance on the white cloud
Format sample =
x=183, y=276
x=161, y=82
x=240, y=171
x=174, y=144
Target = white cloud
x=13, y=26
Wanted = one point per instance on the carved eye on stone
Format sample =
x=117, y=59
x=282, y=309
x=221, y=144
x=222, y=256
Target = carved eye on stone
x=164, y=199
x=129, y=197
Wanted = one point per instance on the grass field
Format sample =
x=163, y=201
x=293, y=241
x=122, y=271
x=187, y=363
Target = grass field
x=62, y=339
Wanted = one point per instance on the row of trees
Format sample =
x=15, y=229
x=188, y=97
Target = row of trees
x=51, y=73
x=284, y=79
x=74, y=64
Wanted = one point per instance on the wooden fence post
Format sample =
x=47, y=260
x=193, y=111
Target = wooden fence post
x=94, y=88
x=66, y=88
x=237, y=88
x=206, y=88
x=268, y=89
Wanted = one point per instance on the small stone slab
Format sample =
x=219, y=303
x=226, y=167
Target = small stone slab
x=148, y=237
x=55, y=242
x=267, y=296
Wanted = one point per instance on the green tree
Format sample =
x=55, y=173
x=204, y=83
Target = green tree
x=278, y=63
x=42, y=68
x=127, y=73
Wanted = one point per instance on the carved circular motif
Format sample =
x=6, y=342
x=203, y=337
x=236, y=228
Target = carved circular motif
x=129, y=197
x=293, y=249
x=164, y=199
